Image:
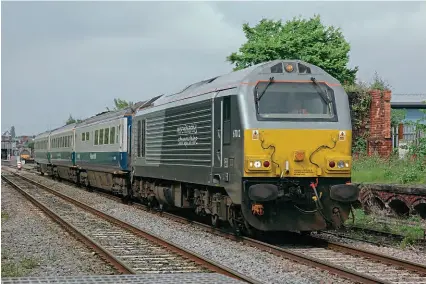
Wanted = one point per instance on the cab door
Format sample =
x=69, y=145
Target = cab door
x=222, y=137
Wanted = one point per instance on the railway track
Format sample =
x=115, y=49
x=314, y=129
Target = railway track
x=375, y=237
x=125, y=247
x=346, y=261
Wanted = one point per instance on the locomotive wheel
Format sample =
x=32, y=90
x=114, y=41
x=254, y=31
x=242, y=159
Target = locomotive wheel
x=215, y=221
x=248, y=229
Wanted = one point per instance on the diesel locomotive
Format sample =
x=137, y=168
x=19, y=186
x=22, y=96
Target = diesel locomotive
x=266, y=148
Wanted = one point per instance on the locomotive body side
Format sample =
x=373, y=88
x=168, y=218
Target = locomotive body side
x=184, y=155
x=250, y=161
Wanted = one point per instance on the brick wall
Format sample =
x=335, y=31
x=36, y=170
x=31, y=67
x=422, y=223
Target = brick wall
x=380, y=138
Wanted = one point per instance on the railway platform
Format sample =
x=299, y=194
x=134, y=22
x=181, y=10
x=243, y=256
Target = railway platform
x=201, y=278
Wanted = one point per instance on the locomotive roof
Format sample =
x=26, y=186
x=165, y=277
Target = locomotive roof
x=234, y=80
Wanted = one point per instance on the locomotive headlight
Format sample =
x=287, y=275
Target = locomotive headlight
x=257, y=164
x=340, y=164
x=289, y=68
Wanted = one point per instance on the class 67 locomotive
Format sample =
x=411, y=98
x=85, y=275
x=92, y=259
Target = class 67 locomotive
x=266, y=148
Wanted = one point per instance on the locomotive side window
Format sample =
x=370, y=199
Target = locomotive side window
x=227, y=120
x=96, y=137
x=143, y=138
x=87, y=136
x=139, y=137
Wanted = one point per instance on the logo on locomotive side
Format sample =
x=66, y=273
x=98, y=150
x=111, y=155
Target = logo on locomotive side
x=187, y=131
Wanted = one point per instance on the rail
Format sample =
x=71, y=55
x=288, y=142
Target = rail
x=109, y=256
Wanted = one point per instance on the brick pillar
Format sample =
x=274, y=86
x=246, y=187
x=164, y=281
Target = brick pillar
x=380, y=140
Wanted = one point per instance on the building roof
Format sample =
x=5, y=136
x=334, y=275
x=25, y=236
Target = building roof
x=408, y=101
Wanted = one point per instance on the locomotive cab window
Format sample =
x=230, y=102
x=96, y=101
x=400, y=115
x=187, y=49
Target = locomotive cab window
x=289, y=101
x=226, y=120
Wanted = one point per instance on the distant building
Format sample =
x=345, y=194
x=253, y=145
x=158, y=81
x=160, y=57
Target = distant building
x=413, y=104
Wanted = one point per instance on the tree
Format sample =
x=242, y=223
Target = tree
x=120, y=104
x=30, y=144
x=307, y=40
x=71, y=120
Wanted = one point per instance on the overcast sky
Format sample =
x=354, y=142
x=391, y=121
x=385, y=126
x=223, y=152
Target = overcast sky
x=61, y=58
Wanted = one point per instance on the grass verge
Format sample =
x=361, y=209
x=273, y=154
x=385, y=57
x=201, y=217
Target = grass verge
x=411, y=232
x=18, y=269
x=392, y=170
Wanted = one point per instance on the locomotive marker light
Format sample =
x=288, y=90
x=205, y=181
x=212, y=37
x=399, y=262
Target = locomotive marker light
x=289, y=68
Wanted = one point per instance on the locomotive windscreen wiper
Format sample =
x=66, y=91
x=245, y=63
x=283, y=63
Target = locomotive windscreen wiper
x=323, y=95
x=258, y=97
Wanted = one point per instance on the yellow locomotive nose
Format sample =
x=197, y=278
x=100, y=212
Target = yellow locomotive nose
x=309, y=153
x=299, y=156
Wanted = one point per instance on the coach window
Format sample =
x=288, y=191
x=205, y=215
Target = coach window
x=101, y=136
x=96, y=137
x=139, y=137
x=119, y=131
x=112, y=135
x=106, y=138
x=87, y=136
x=226, y=120
x=83, y=136
x=116, y=134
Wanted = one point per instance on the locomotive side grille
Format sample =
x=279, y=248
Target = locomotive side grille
x=181, y=136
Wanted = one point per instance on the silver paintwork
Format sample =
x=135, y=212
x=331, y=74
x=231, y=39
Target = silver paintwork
x=238, y=84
